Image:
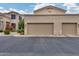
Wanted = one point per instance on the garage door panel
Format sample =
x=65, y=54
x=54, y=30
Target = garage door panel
x=40, y=29
x=69, y=28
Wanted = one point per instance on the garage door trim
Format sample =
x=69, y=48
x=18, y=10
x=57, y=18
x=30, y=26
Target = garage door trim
x=40, y=23
x=70, y=23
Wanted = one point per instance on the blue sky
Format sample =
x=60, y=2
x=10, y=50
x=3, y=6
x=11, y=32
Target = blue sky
x=23, y=5
x=20, y=6
x=26, y=6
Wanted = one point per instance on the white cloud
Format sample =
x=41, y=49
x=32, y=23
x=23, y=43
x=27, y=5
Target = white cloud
x=41, y=5
x=76, y=8
x=73, y=10
x=20, y=11
x=68, y=12
x=1, y=7
x=3, y=10
x=70, y=4
x=12, y=9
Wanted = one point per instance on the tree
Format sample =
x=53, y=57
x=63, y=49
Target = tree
x=21, y=25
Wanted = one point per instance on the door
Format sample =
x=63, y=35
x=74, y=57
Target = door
x=40, y=29
x=69, y=28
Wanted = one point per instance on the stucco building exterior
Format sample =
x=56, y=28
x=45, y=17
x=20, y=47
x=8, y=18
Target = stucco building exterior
x=49, y=10
x=52, y=24
x=48, y=20
x=9, y=20
x=51, y=21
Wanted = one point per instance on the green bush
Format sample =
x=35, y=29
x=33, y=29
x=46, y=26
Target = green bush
x=13, y=30
x=1, y=30
x=20, y=30
x=7, y=32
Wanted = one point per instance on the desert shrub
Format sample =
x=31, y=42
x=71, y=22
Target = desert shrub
x=7, y=32
x=1, y=30
x=13, y=30
x=20, y=30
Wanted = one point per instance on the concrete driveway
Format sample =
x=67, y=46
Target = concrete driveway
x=39, y=46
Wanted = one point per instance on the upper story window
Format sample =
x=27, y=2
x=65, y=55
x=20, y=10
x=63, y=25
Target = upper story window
x=13, y=16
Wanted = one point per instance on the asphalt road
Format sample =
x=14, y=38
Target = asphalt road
x=39, y=46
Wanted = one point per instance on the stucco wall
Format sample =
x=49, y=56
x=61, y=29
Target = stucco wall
x=13, y=20
x=49, y=11
x=56, y=19
x=4, y=20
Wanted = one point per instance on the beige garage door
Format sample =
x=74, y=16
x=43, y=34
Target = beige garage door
x=69, y=28
x=40, y=29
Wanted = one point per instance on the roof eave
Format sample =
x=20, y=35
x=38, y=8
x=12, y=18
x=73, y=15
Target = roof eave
x=52, y=7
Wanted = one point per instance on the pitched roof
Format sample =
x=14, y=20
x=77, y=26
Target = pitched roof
x=3, y=16
x=49, y=6
x=13, y=12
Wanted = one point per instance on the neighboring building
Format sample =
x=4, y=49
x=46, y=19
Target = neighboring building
x=49, y=20
x=3, y=21
x=9, y=20
x=14, y=19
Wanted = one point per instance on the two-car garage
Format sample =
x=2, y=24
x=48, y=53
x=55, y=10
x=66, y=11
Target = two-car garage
x=52, y=25
x=48, y=28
